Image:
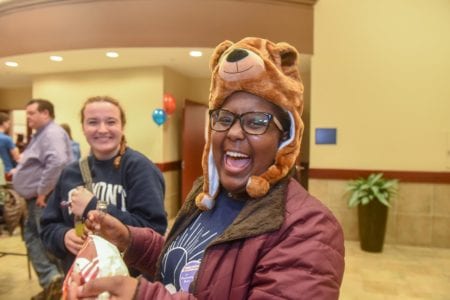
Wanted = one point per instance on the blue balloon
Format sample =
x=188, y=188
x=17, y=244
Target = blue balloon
x=159, y=116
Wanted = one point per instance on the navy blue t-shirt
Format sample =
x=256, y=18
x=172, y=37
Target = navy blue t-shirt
x=182, y=259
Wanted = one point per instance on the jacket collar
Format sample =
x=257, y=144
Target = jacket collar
x=258, y=216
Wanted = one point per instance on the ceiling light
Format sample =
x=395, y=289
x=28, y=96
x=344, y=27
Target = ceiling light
x=56, y=58
x=112, y=54
x=11, y=64
x=195, y=53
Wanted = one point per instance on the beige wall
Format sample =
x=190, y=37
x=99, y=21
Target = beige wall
x=138, y=90
x=178, y=86
x=199, y=90
x=306, y=114
x=14, y=98
x=380, y=75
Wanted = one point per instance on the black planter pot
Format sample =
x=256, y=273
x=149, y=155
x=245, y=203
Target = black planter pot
x=372, y=219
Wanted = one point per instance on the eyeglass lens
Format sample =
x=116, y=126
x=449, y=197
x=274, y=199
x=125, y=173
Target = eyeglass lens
x=251, y=122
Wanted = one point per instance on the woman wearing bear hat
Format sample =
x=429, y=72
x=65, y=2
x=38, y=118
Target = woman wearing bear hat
x=247, y=229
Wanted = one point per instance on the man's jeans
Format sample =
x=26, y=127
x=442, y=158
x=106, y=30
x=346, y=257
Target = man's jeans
x=45, y=269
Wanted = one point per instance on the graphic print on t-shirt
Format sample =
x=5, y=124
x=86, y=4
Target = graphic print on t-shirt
x=184, y=255
x=182, y=259
x=113, y=194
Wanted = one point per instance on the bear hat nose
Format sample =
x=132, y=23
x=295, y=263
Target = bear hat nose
x=236, y=55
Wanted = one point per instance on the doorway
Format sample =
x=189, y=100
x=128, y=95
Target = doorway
x=193, y=141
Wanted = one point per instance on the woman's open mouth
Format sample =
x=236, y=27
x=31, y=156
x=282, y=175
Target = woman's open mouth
x=235, y=162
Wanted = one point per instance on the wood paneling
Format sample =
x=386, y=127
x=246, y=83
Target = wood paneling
x=169, y=166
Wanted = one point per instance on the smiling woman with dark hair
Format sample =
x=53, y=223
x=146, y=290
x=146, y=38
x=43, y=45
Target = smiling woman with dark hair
x=247, y=230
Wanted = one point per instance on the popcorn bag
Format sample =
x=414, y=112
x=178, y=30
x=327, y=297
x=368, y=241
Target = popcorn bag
x=97, y=258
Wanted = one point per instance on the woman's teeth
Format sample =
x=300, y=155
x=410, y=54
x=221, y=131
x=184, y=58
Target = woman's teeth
x=236, y=154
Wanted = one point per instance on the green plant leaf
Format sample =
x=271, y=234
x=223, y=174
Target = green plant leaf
x=365, y=200
x=379, y=195
x=375, y=189
x=354, y=200
x=373, y=178
x=384, y=201
x=364, y=190
x=365, y=186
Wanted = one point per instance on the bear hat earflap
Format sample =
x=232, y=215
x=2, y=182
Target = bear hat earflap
x=267, y=70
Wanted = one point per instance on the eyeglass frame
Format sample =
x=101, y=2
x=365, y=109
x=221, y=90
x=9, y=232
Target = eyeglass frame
x=239, y=117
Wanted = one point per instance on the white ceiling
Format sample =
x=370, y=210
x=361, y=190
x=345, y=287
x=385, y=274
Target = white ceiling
x=177, y=59
x=30, y=65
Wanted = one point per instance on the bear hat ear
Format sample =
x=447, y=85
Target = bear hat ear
x=220, y=49
x=289, y=57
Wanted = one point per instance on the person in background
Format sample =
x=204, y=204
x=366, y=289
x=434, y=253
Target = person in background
x=34, y=179
x=2, y=194
x=248, y=229
x=9, y=153
x=20, y=142
x=130, y=183
x=75, y=145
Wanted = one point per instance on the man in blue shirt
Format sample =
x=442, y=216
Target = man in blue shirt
x=34, y=179
x=9, y=153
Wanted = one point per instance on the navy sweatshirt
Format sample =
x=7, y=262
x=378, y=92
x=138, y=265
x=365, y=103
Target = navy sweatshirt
x=134, y=192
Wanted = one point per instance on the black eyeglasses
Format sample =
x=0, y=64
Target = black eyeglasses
x=254, y=123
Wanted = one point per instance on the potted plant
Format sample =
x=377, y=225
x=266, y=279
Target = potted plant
x=372, y=196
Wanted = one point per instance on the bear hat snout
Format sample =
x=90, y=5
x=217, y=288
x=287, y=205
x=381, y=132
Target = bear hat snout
x=241, y=64
x=236, y=55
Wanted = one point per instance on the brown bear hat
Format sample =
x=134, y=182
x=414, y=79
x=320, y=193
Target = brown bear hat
x=270, y=71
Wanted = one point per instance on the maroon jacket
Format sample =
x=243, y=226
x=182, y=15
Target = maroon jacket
x=286, y=245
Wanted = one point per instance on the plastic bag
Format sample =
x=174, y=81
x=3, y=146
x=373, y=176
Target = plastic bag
x=97, y=258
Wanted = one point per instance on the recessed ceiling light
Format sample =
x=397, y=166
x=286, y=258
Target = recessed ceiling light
x=56, y=58
x=195, y=53
x=11, y=64
x=112, y=54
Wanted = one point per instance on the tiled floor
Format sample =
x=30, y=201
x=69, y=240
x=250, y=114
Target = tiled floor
x=400, y=272
x=14, y=282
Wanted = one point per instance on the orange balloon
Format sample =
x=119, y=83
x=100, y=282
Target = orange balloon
x=169, y=103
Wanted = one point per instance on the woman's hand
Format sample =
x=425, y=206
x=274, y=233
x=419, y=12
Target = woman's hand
x=73, y=242
x=80, y=198
x=109, y=228
x=118, y=287
x=74, y=286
